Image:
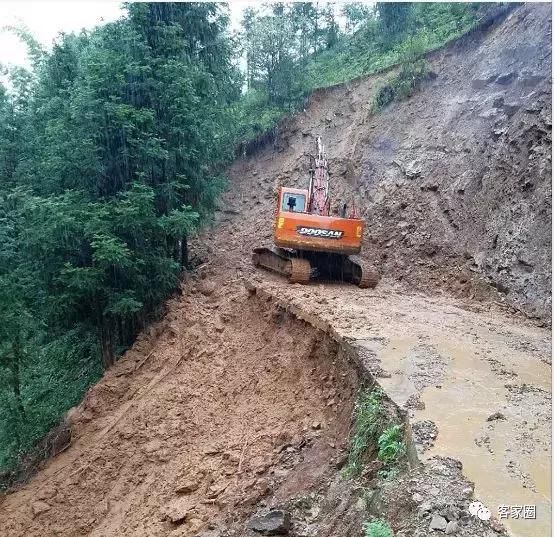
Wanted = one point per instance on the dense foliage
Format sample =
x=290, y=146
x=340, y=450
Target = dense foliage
x=293, y=49
x=109, y=155
x=111, y=151
x=379, y=44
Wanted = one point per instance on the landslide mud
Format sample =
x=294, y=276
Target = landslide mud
x=229, y=402
x=454, y=182
x=476, y=384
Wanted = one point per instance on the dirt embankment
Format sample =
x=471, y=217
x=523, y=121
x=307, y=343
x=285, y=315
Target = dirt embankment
x=196, y=425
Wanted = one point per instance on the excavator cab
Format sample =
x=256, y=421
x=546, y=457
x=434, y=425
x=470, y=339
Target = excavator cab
x=294, y=201
x=299, y=229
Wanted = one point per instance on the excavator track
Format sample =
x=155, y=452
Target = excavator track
x=328, y=268
x=301, y=270
x=361, y=274
x=370, y=278
x=278, y=260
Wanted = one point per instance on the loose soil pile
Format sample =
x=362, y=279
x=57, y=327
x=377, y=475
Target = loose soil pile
x=454, y=183
x=232, y=403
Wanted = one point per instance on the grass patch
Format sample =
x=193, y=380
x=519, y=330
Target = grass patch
x=391, y=445
x=391, y=450
x=369, y=421
x=253, y=116
x=373, y=428
x=402, y=85
x=378, y=528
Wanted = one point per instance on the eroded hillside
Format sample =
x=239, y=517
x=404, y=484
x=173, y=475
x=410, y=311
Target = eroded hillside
x=455, y=182
x=240, y=399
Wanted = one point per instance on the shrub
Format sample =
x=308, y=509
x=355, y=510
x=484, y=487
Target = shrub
x=369, y=421
x=413, y=71
x=391, y=445
x=378, y=528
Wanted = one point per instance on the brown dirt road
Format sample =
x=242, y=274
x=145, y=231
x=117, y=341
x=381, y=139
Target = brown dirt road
x=231, y=404
x=480, y=379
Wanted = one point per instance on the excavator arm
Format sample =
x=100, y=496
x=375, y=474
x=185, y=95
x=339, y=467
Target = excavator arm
x=310, y=243
x=318, y=193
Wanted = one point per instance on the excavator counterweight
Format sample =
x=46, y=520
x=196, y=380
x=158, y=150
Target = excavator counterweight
x=309, y=242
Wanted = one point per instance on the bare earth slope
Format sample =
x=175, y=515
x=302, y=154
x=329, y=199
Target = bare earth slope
x=233, y=403
x=194, y=424
x=455, y=182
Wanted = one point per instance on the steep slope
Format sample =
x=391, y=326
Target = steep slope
x=455, y=182
x=202, y=419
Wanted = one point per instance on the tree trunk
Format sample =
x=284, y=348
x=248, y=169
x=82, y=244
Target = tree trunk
x=106, y=341
x=184, y=253
x=15, y=369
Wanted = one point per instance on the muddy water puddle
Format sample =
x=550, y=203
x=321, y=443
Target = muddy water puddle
x=464, y=366
x=466, y=382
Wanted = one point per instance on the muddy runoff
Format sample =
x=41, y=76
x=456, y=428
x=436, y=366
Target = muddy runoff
x=492, y=415
x=475, y=385
x=505, y=448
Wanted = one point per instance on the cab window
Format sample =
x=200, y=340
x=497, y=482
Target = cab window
x=295, y=203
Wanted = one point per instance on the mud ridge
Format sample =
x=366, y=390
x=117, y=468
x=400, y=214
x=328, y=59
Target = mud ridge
x=349, y=350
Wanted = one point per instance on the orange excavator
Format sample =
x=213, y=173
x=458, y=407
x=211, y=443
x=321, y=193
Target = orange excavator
x=309, y=242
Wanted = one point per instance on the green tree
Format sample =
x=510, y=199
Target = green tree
x=110, y=151
x=247, y=23
x=394, y=18
x=355, y=14
x=331, y=26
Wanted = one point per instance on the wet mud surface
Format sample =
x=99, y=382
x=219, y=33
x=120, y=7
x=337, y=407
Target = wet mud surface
x=228, y=402
x=470, y=390
x=240, y=399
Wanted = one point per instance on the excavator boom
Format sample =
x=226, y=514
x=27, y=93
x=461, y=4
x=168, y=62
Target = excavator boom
x=318, y=192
